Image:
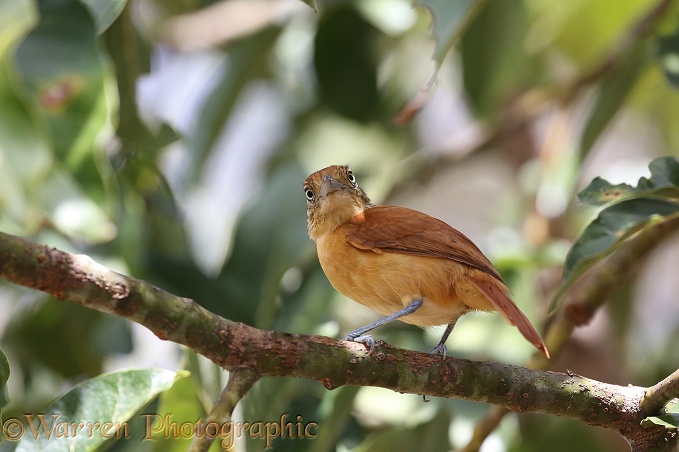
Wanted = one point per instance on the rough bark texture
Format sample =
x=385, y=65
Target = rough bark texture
x=233, y=345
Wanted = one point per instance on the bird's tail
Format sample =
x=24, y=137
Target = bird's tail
x=509, y=310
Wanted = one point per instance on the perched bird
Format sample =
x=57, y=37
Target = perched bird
x=402, y=263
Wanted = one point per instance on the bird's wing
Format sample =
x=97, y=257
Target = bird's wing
x=401, y=230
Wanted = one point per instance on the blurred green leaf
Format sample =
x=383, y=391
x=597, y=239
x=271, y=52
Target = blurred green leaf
x=4, y=376
x=431, y=436
x=586, y=31
x=104, y=12
x=24, y=155
x=267, y=243
x=495, y=69
x=335, y=411
x=612, y=228
x=66, y=73
x=664, y=181
x=109, y=398
x=612, y=94
x=345, y=63
x=239, y=70
x=71, y=211
x=668, y=52
x=16, y=18
x=450, y=20
x=65, y=338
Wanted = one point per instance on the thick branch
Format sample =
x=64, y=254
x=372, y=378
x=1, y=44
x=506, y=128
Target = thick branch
x=335, y=363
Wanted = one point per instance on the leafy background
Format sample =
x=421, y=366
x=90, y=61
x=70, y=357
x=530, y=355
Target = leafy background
x=169, y=140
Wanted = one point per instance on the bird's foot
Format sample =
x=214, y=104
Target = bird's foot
x=366, y=340
x=440, y=349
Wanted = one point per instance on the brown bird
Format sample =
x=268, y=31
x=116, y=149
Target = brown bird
x=402, y=263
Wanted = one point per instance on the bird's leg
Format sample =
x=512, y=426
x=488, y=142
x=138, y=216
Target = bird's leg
x=440, y=348
x=359, y=336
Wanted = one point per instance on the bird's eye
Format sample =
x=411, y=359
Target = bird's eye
x=309, y=194
x=351, y=177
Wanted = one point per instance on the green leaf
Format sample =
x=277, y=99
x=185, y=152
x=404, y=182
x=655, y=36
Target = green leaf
x=108, y=400
x=450, y=20
x=4, y=376
x=612, y=95
x=180, y=404
x=612, y=229
x=494, y=70
x=16, y=18
x=65, y=72
x=311, y=3
x=600, y=192
x=344, y=63
x=24, y=152
x=104, y=12
x=670, y=420
x=664, y=181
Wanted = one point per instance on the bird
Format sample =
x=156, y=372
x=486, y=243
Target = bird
x=400, y=262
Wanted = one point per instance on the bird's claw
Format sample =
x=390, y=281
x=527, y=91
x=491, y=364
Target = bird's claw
x=440, y=349
x=366, y=340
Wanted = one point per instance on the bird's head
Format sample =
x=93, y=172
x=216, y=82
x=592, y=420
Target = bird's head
x=333, y=197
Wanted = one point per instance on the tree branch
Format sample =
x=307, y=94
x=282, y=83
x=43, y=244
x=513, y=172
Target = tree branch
x=659, y=394
x=240, y=381
x=233, y=345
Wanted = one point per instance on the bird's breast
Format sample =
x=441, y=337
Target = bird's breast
x=386, y=281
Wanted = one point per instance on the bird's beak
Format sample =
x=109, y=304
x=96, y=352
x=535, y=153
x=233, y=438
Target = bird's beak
x=330, y=185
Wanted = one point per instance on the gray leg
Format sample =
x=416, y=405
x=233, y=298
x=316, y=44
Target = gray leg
x=358, y=334
x=440, y=348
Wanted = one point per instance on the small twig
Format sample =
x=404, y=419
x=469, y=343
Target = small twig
x=659, y=394
x=241, y=379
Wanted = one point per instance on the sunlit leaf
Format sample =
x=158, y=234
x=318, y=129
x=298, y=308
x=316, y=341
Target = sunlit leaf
x=24, y=154
x=16, y=18
x=450, y=19
x=670, y=420
x=108, y=400
x=612, y=95
x=180, y=403
x=612, y=228
x=664, y=181
x=104, y=12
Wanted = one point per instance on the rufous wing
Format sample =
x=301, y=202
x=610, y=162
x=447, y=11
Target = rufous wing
x=509, y=310
x=401, y=230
